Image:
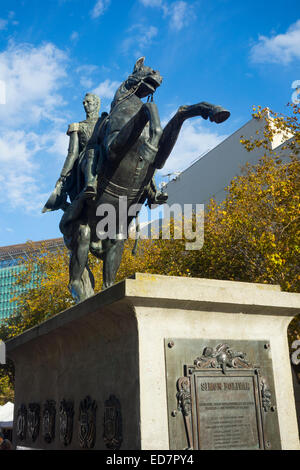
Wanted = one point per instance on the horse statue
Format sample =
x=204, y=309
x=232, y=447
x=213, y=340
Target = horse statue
x=132, y=146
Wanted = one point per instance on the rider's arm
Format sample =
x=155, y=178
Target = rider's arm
x=73, y=150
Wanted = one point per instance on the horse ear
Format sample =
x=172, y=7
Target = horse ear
x=139, y=63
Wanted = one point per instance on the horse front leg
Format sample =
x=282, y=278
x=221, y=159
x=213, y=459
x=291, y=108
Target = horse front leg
x=171, y=131
x=81, y=278
x=131, y=131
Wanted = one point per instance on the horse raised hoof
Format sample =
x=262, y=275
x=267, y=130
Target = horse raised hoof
x=218, y=114
x=206, y=110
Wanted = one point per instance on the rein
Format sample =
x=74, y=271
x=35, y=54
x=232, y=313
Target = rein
x=131, y=92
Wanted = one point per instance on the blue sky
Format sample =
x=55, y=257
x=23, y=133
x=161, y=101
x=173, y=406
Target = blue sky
x=228, y=52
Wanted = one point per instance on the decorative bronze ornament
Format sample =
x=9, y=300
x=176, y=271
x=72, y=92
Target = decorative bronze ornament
x=66, y=414
x=184, y=395
x=266, y=395
x=112, y=423
x=87, y=423
x=22, y=422
x=33, y=420
x=221, y=357
x=184, y=400
x=48, y=422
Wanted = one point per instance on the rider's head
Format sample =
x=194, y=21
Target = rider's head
x=91, y=103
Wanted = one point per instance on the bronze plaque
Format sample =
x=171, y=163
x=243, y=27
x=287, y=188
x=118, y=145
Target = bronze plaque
x=227, y=411
x=221, y=395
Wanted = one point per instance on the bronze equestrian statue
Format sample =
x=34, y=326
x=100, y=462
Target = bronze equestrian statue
x=127, y=146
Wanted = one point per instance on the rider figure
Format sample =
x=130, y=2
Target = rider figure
x=82, y=158
x=83, y=154
x=83, y=146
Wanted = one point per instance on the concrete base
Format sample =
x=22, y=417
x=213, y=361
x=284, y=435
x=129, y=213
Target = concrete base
x=113, y=344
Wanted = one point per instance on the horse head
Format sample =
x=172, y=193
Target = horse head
x=142, y=82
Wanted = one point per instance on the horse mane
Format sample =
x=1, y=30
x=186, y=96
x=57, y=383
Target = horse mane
x=121, y=91
x=126, y=89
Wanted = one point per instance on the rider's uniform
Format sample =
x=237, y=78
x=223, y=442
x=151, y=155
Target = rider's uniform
x=84, y=152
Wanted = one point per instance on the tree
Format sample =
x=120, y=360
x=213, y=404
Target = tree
x=6, y=390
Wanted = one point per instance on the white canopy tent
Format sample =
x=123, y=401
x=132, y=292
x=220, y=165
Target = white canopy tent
x=7, y=415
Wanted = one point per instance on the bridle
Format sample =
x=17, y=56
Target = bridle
x=132, y=91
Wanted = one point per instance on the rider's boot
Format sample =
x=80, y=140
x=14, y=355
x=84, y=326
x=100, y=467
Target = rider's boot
x=90, y=189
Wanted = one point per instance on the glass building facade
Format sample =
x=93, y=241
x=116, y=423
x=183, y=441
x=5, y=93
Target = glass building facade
x=10, y=267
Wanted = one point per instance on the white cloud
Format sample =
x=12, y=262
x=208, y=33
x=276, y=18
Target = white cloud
x=194, y=140
x=140, y=37
x=74, y=36
x=87, y=69
x=57, y=143
x=87, y=83
x=20, y=171
x=33, y=76
x=16, y=150
x=99, y=8
x=106, y=89
x=18, y=185
x=180, y=13
x=3, y=24
x=85, y=73
x=151, y=3
x=282, y=48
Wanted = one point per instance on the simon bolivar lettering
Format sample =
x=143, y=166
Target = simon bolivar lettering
x=227, y=412
x=219, y=386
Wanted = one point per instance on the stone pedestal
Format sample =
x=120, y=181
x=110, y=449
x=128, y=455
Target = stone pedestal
x=110, y=357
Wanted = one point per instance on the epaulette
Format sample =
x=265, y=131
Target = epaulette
x=74, y=127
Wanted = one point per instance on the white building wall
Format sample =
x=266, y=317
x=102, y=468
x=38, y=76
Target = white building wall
x=209, y=175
